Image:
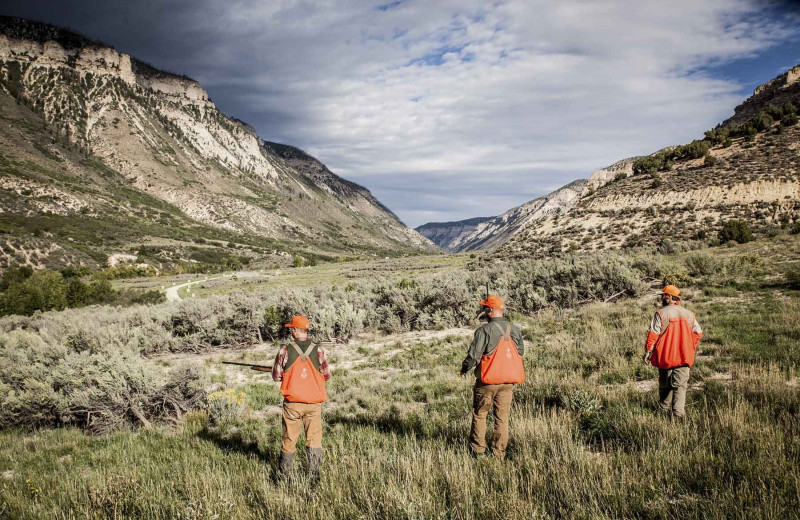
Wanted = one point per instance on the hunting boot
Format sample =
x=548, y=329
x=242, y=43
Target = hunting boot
x=285, y=466
x=314, y=465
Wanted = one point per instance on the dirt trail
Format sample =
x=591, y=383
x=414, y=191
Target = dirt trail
x=172, y=292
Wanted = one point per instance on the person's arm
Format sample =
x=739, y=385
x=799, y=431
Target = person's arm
x=475, y=351
x=516, y=336
x=324, y=368
x=280, y=363
x=697, y=333
x=652, y=336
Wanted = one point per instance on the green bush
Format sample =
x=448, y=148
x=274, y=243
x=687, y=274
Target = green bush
x=25, y=291
x=735, y=230
x=700, y=264
x=225, y=406
x=649, y=164
x=42, y=291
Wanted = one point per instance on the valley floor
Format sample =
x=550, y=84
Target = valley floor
x=588, y=440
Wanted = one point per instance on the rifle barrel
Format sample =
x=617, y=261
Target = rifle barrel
x=245, y=364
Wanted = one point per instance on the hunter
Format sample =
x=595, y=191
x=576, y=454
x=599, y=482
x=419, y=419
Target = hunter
x=671, y=344
x=302, y=368
x=496, y=355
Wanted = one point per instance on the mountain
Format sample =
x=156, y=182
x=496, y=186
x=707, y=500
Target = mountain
x=451, y=236
x=491, y=232
x=747, y=169
x=93, y=139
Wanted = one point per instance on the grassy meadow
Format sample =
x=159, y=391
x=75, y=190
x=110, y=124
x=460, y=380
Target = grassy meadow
x=588, y=439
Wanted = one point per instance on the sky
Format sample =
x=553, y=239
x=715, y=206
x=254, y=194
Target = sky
x=455, y=109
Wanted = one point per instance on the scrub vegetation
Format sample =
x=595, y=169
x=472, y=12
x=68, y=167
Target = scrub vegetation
x=588, y=440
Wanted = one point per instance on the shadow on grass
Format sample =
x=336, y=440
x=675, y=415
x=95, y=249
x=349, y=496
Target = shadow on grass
x=233, y=442
x=411, y=425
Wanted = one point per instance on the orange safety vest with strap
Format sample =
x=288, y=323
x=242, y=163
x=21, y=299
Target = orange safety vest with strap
x=676, y=343
x=504, y=364
x=302, y=381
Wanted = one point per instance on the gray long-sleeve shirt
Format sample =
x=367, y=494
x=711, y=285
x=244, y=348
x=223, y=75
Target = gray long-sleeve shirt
x=486, y=339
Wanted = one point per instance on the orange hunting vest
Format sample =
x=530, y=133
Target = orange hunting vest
x=504, y=364
x=676, y=345
x=302, y=382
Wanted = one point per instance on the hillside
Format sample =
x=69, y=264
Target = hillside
x=748, y=169
x=492, y=232
x=451, y=236
x=187, y=434
x=103, y=154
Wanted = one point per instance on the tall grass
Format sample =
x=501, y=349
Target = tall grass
x=588, y=439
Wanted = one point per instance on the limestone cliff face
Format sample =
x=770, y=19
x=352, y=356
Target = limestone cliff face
x=778, y=91
x=603, y=176
x=492, y=232
x=161, y=133
x=451, y=236
x=756, y=180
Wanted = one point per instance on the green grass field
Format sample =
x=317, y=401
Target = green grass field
x=588, y=440
x=330, y=273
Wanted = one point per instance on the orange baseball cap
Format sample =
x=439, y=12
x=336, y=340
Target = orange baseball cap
x=672, y=291
x=298, y=322
x=495, y=302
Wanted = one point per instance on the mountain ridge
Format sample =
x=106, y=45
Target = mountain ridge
x=163, y=136
x=748, y=163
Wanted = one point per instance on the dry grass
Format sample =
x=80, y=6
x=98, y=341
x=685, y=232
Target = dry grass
x=587, y=438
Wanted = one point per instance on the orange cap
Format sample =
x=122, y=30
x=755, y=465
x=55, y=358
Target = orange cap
x=495, y=302
x=672, y=291
x=298, y=322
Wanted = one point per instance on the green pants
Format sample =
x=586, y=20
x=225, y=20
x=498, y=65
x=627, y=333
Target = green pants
x=497, y=399
x=672, y=384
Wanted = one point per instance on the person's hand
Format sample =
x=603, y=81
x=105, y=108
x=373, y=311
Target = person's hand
x=647, y=355
x=463, y=375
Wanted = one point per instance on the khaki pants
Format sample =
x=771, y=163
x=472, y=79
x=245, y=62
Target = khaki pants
x=672, y=383
x=305, y=416
x=498, y=399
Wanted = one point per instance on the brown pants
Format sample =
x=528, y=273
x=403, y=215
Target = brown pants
x=305, y=416
x=672, y=383
x=498, y=399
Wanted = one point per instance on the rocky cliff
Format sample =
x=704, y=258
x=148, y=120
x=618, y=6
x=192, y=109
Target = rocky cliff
x=750, y=172
x=451, y=236
x=161, y=135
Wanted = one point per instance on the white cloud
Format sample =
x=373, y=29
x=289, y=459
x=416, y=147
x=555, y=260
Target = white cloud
x=473, y=107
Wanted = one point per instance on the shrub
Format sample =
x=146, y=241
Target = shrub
x=657, y=182
x=735, y=230
x=84, y=383
x=42, y=290
x=27, y=291
x=793, y=277
x=700, y=264
x=225, y=406
x=649, y=164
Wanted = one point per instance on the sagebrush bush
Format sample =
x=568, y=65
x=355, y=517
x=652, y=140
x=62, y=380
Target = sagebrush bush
x=80, y=381
x=226, y=406
x=700, y=264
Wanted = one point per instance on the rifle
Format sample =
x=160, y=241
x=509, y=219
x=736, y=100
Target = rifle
x=260, y=368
